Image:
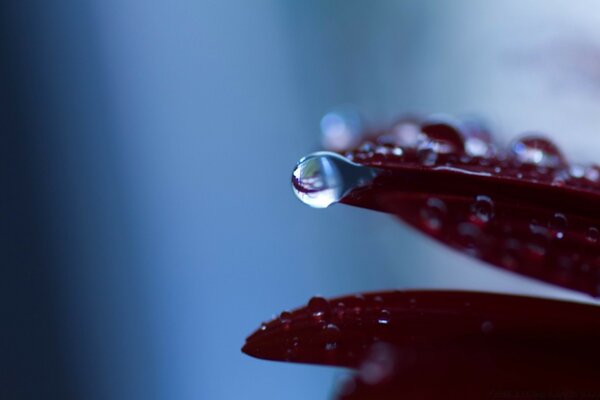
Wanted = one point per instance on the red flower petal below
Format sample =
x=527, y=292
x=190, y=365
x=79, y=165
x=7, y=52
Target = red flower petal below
x=426, y=344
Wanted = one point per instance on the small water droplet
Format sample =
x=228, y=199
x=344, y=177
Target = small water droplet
x=576, y=171
x=331, y=334
x=433, y=214
x=384, y=317
x=324, y=178
x=592, y=234
x=538, y=151
x=483, y=209
x=341, y=128
x=592, y=173
x=442, y=134
x=263, y=327
x=558, y=223
x=519, y=175
x=497, y=170
x=476, y=147
x=379, y=364
x=330, y=346
x=469, y=236
x=487, y=327
x=286, y=319
x=427, y=156
x=319, y=307
x=560, y=178
x=404, y=133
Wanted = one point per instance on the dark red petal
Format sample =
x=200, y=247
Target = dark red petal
x=523, y=210
x=441, y=340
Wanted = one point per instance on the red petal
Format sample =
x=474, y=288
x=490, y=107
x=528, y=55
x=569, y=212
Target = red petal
x=441, y=340
x=530, y=213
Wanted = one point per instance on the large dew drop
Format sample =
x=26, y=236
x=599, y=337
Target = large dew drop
x=323, y=178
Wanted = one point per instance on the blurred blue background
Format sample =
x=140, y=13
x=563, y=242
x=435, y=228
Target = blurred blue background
x=149, y=225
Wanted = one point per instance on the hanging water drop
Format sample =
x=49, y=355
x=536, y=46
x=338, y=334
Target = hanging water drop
x=324, y=178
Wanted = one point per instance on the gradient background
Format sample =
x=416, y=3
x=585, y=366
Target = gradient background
x=148, y=220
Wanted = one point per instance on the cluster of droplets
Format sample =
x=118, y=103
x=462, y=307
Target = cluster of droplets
x=324, y=178
x=442, y=143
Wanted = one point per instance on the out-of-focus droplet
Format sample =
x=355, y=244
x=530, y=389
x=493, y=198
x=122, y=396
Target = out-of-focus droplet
x=592, y=173
x=427, y=156
x=476, y=147
x=593, y=234
x=379, y=364
x=384, y=317
x=324, y=178
x=404, y=133
x=558, y=224
x=487, y=327
x=537, y=150
x=341, y=129
x=483, y=209
x=576, y=171
x=433, y=214
x=468, y=236
x=478, y=141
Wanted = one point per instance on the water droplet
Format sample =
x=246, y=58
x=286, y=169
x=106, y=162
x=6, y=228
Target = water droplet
x=324, y=178
x=560, y=178
x=497, y=170
x=487, y=327
x=405, y=134
x=476, y=147
x=286, y=319
x=469, y=236
x=433, y=214
x=592, y=173
x=341, y=129
x=330, y=346
x=319, y=307
x=427, y=156
x=538, y=151
x=558, y=223
x=592, y=234
x=263, y=327
x=331, y=334
x=379, y=364
x=332, y=329
x=384, y=317
x=483, y=209
x=576, y=171
x=442, y=134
